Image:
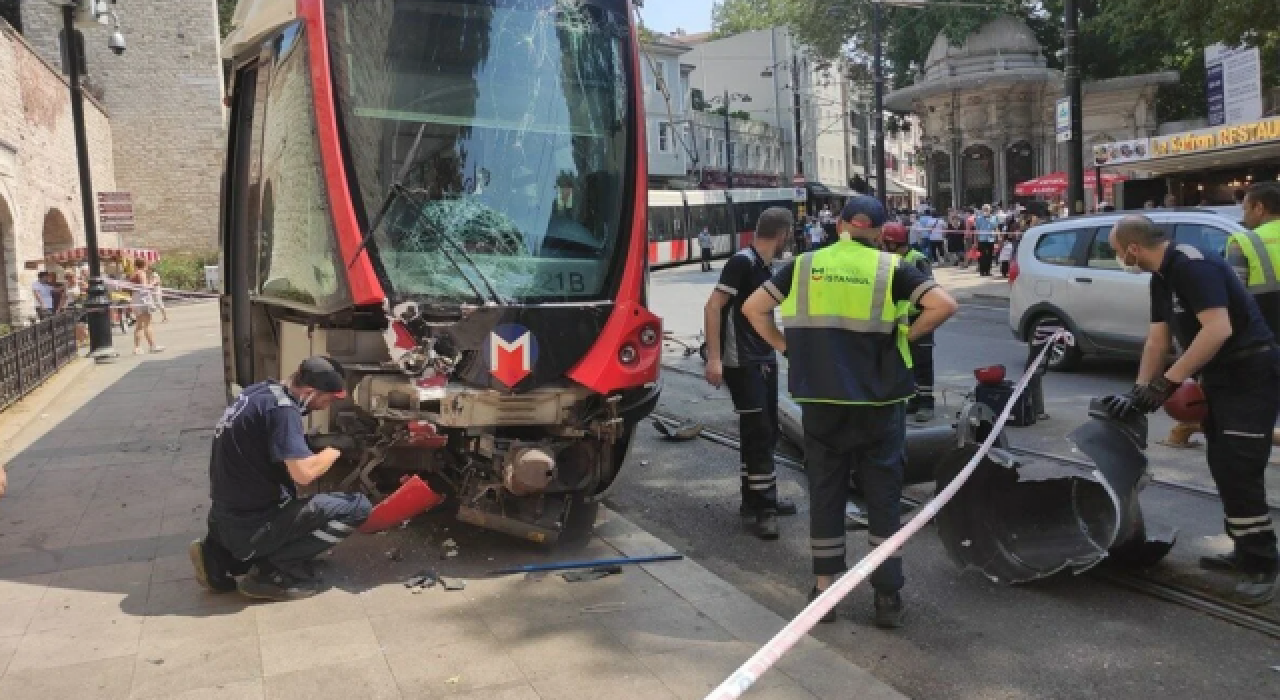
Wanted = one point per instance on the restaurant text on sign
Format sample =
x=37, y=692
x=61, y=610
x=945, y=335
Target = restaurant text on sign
x=1209, y=139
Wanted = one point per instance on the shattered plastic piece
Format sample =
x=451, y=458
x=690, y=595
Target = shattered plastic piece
x=592, y=574
x=1019, y=519
x=644, y=462
x=688, y=430
x=453, y=584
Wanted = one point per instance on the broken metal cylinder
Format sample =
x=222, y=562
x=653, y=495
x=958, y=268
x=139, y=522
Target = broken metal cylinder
x=1023, y=518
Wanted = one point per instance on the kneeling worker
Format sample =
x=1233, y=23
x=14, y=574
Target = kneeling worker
x=1197, y=299
x=845, y=312
x=257, y=522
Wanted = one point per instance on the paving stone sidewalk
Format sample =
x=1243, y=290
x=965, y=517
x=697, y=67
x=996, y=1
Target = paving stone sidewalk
x=97, y=600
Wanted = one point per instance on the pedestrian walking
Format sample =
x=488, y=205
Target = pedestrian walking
x=259, y=526
x=741, y=359
x=157, y=293
x=844, y=309
x=42, y=291
x=955, y=237
x=816, y=235
x=1197, y=300
x=922, y=404
x=937, y=240
x=985, y=225
x=704, y=244
x=1006, y=255
x=143, y=307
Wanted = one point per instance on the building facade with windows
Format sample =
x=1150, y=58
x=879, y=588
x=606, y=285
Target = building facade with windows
x=665, y=80
x=765, y=65
x=986, y=112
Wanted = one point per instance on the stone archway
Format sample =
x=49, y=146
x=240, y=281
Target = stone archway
x=1019, y=166
x=978, y=171
x=56, y=233
x=8, y=264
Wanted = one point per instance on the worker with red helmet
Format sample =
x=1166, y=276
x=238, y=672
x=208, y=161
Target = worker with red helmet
x=894, y=238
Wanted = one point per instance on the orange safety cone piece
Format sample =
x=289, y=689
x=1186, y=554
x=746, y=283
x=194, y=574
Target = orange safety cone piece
x=412, y=498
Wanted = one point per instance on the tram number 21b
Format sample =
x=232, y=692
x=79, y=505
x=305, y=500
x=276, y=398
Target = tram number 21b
x=562, y=282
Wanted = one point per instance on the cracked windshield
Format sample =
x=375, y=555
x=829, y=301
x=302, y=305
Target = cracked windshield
x=487, y=143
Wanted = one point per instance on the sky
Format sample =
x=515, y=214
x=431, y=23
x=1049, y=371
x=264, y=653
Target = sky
x=667, y=15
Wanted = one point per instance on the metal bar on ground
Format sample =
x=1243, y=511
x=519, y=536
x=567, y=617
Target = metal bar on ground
x=566, y=565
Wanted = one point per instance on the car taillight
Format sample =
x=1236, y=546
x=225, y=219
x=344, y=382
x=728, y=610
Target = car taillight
x=1013, y=271
x=648, y=336
x=627, y=354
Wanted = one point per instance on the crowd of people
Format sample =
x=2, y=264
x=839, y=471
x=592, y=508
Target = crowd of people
x=985, y=236
x=136, y=293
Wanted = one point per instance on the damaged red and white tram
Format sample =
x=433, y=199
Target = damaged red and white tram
x=448, y=197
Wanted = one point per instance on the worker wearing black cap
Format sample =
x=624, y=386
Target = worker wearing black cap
x=845, y=312
x=258, y=526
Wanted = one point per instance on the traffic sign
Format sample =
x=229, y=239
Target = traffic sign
x=115, y=212
x=1062, y=119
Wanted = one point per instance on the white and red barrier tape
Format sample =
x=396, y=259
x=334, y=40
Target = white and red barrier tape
x=741, y=680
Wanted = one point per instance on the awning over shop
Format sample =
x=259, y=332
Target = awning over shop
x=895, y=187
x=78, y=255
x=1056, y=183
x=919, y=191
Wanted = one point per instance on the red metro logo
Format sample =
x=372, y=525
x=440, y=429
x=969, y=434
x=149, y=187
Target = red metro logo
x=512, y=353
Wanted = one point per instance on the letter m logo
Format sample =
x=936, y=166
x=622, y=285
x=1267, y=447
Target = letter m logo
x=512, y=353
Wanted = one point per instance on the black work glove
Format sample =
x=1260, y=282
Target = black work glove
x=1148, y=398
x=1120, y=405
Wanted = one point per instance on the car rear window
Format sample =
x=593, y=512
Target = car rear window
x=1204, y=236
x=1101, y=254
x=1056, y=248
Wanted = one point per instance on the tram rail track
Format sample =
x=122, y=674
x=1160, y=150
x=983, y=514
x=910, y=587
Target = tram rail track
x=1180, y=594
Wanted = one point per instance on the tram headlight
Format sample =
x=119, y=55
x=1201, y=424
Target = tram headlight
x=648, y=336
x=628, y=354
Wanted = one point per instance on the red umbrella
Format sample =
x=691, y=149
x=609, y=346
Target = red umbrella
x=1056, y=183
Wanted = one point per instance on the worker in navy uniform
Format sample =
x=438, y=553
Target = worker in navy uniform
x=845, y=311
x=258, y=525
x=894, y=238
x=1197, y=300
x=739, y=357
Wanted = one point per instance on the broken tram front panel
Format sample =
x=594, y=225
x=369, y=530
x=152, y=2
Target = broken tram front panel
x=449, y=199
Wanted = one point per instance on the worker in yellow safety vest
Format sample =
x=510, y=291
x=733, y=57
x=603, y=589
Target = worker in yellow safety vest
x=844, y=309
x=1255, y=254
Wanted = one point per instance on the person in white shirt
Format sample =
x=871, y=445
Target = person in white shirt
x=938, y=240
x=816, y=235
x=43, y=291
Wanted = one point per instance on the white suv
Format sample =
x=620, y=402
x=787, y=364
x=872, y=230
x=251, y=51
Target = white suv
x=1066, y=273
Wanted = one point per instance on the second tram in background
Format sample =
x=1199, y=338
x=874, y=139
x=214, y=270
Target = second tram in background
x=676, y=217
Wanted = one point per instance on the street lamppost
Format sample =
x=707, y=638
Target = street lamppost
x=725, y=102
x=1075, y=158
x=97, y=304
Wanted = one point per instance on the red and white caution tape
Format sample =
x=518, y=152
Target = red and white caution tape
x=741, y=680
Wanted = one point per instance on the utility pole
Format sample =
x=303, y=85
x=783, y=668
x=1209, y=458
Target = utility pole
x=97, y=305
x=795, y=102
x=1075, y=156
x=728, y=146
x=878, y=117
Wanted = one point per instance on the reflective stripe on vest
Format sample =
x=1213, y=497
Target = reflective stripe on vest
x=882, y=316
x=1263, y=256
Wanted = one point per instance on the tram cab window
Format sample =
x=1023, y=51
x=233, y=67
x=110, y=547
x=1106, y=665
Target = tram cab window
x=297, y=256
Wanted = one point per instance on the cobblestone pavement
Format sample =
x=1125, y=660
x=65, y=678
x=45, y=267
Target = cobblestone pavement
x=108, y=478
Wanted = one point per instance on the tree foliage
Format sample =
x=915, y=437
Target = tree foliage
x=1117, y=37
x=226, y=8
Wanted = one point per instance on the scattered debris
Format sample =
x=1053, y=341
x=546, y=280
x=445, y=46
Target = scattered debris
x=592, y=574
x=452, y=584
x=644, y=462
x=450, y=549
x=453, y=681
x=688, y=430
x=422, y=580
